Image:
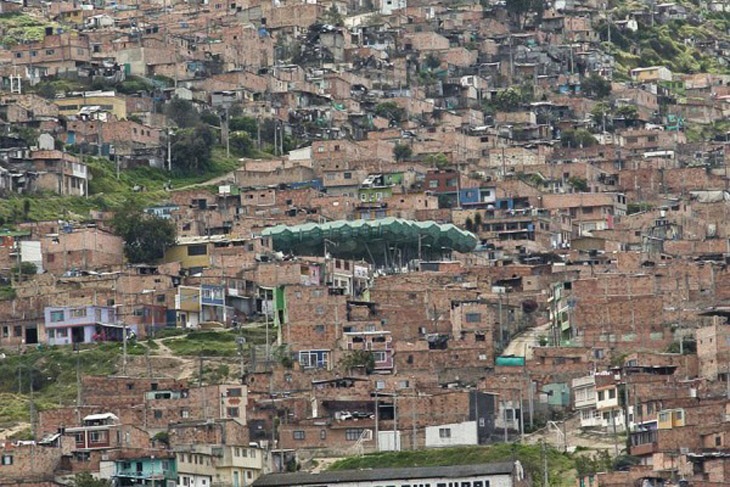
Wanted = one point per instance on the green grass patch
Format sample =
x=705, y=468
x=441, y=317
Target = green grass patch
x=53, y=374
x=214, y=343
x=106, y=192
x=560, y=465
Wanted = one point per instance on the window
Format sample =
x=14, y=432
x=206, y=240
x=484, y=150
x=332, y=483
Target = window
x=197, y=250
x=82, y=456
x=6, y=330
x=235, y=392
x=612, y=393
x=50, y=52
x=51, y=333
x=433, y=183
x=57, y=316
x=184, y=413
x=347, y=175
x=319, y=328
x=158, y=414
x=601, y=395
x=473, y=317
x=444, y=432
x=78, y=313
x=98, y=437
x=18, y=331
x=232, y=412
x=311, y=359
x=298, y=435
x=322, y=434
x=62, y=333
x=380, y=357
x=353, y=434
x=7, y=460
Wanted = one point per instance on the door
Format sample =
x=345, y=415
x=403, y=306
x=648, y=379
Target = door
x=77, y=334
x=31, y=335
x=235, y=479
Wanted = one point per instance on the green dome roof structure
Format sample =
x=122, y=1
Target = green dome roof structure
x=372, y=240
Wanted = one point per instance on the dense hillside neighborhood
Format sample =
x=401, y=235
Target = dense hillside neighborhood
x=475, y=242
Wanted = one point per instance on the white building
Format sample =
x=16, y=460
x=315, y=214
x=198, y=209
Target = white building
x=453, y=434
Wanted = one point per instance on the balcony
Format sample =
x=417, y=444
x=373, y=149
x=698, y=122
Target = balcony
x=644, y=442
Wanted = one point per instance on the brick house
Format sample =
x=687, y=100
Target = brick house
x=81, y=248
x=57, y=53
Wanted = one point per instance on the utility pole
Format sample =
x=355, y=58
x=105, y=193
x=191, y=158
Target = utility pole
x=78, y=377
x=522, y=419
x=501, y=325
x=546, y=479
x=396, y=446
x=504, y=421
x=266, y=318
x=276, y=140
x=377, y=423
x=226, y=133
x=413, y=420
x=169, y=149
x=31, y=405
x=258, y=132
x=124, y=348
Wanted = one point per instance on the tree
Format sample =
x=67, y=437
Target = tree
x=333, y=16
x=182, y=112
x=86, y=480
x=518, y=9
x=26, y=269
x=601, y=114
x=401, y=152
x=579, y=184
x=192, y=149
x=359, y=359
x=508, y=100
x=391, y=111
x=146, y=237
x=627, y=112
x=439, y=160
x=577, y=138
x=477, y=221
x=46, y=90
x=432, y=61
x=596, y=86
x=241, y=144
x=247, y=124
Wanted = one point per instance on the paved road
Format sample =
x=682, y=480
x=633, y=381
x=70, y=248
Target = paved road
x=522, y=345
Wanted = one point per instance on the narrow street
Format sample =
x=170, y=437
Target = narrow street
x=522, y=345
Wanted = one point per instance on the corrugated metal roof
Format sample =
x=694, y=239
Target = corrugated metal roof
x=383, y=474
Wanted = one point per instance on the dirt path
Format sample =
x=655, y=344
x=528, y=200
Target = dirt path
x=570, y=436
x=186, y=369
x=229, y=177
x=13, y=430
